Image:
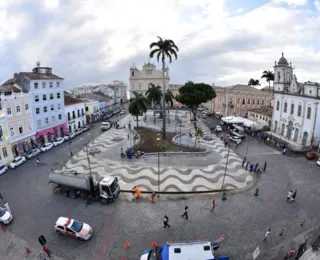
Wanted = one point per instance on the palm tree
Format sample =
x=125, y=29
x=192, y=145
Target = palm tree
x=254, y=82
x=269, y=76
x=164, y=49
x=138, y=105
x=169, y=97
x=153, y=95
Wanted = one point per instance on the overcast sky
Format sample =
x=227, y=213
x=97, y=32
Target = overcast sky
x=224, y=42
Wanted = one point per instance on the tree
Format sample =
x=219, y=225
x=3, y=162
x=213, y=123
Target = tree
x=269, y=76
x=169, y=97
x=153, y=95
x=254, y=82
x=198, y=135
x=138, y=105
x=164, y=49
x=193, y=95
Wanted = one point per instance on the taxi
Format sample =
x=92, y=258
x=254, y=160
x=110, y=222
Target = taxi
x=73, y=228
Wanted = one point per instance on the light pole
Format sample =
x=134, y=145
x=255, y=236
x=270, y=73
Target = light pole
x=88, y=160
x=158, y=139
x=225, y=169
x=70, y=142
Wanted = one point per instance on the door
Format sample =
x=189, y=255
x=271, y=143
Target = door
x=282, y=129
x=305, y=138
x=296, y=133
x=289, y=130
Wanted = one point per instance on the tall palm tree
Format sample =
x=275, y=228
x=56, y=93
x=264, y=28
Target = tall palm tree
x=269, y=76
x=164, y=49
x=254, y=82
x=153, y=95
x=138, y=105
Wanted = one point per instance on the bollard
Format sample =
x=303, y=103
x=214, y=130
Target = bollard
x=224, y=196
x=256, y=193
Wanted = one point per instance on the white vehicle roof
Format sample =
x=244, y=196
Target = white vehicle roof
x=105, y=123
x=107, y=180
x=194, y=250
x=63, y=221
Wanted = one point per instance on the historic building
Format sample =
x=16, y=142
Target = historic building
x=296, y=113
x=140, y=79
x=6, y=154
x=262, y=115
x=46, y=102
x=75, y=112
x=238, y=99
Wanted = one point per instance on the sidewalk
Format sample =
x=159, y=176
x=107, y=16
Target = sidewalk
x=13, y=247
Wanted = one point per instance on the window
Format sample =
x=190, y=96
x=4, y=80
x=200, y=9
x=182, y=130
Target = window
x=4, y=151
x=11, y=131
x=46, y=120
x=37, y=110
x=36, y=98
x=43, y=85
x=262, y=103
x=39, y=122
x=60, y=117
x=310, y=91
x=238, y=101
x=279, y=76
x=29, y=126
x=18, y=108
x=58, y=84
x=59, y=106
x=299, y=110
x=69, y=118
x=9, y=112
x=253, y=102
x=44, y=97
x=243, y=101
x=58, y=95
x=278, y=105
x=258, y=102
x=50, y=84
x=35, y=85
x=248, y=101
x=309, y=113
x=53, y=118
x=292, y=109
x=78, y=112
x=275, y=126
x=52, y=107
x=82, y=112
x=139, y=86
x=87, y=109
x=26, y=107
x=51, y=96
x=285, y=107
x=45, y=109
x=20, y=129
x=132, y=73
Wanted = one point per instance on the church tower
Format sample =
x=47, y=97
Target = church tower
x=283, y=74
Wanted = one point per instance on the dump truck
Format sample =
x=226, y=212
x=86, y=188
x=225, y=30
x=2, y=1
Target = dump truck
x=73, y=184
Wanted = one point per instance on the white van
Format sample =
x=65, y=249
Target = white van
x=105, y=126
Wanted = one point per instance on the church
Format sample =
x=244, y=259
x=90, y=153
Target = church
x=296, y=112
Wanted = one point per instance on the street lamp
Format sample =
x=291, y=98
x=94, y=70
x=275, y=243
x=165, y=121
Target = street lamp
x=225, y=169
x=158, y=139
x=88, y=160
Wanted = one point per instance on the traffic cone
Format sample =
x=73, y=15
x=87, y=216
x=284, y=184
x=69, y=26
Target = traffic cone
x=302, y=223
x=127, y=245
x=153, y=244
x=281, y=232
x=3, y=228
x=200, y=238
x=28, y=250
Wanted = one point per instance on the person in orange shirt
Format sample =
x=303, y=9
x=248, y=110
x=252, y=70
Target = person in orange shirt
x=137, y=191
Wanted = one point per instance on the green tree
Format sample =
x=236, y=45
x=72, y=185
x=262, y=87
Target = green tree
x=153, y=95
x=193, y=95
x=164, y=49
x=254, y=82
x=169, y=97
x=198, y=134
x=138, y=105
x=269, y=76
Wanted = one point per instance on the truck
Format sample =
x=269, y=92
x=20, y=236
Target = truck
x=73, y=184
x=193, y=250
x=105, y=126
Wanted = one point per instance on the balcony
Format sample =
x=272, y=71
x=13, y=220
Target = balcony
x=21, y=136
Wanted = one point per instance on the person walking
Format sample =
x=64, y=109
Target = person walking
x=213, y=205
x=265, y=166
x=185, y=213
x=165, y=221
x=294, y=195
x=38, y=161
x=247, y=164
x=47, y=251
x=267, y=235
x=289, y=196
x=153, y=195
x=251, y=167
x=243, y=161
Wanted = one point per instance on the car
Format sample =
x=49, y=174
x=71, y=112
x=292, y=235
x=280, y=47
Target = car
x=73, y=228
x=71, y=135
x=78, y=131
x=33, y=153
x=235, y=139
x=122, y=112
x=218, y=128
x=46, y=147
x=318, y=162
x=311, y=156
x=17, y=161
x=86, y=128
x=204, y=116
x=58, y=141
x=210, y=114
x=66, y=137
x=5, y=216
x=105, y=126
x=3, y=169
x=200, y=108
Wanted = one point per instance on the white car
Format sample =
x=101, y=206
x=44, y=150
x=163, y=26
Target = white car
x=17, y=161
x=33, y=153
x=122, y=112
x=58, y=141
x=73, y=228
x=46, y=147
x=5, y=216
x=318, y=162
x=235, y=139
x=218, y=128
x=3, y=169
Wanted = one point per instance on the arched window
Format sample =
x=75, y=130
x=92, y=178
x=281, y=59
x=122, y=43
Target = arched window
x=285, y=107
x=299, y=110
x=275, y=126
x=305, y=138
x=132, y=73
x=278, y=105
x=296, y=133
x=282, y=129
x=292, y=109
x=309, y=113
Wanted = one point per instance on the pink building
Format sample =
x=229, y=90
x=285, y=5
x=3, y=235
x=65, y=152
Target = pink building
x=238, y=99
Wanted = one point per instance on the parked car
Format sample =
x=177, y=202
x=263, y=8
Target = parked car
x=5, y=216
x=78, y=131
x=86, y=128
x=204, y=116
x=318, y=162
x=17, y=161
x=235, y=139
x=218, y=128
x=58, y=141
x=46, y=147
x=71, y=135
x=66, y=137
x=3, y=169
x=311, y=156
x=122, y=112
x=73, y=228
x=33, y=153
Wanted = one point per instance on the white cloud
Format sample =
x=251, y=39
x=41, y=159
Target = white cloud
x=239, y=10
x=292, y=2
x=51, y=4
x=317, y=5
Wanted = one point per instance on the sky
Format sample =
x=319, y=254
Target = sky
x=225, y=42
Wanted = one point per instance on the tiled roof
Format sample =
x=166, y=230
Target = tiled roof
x=241, y=87
x=266, y=88
x=9, y=81
x=9, y=88
x=266, y=111
x=35, y=76
x=95, y=96
x=69, y=100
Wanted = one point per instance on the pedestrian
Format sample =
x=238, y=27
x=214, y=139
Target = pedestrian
x=213, y=205
x=247, y=164
x=268, y=140
x=275, y=143
x=256, y=167
x=251, y=167
x=225, y=143
x=284, y=150
x=165, y=221
x=153, y=195
x=47, y=251
x=294, y=195
x=267, y=235
x=289, y=196
x=243, y=161
x=38, y=161
x=185, y=213
x=265, y=166
x=6, y=205
x=42, y=256
x=128, y=136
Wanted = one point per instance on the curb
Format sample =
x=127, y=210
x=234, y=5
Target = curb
x=179, y=192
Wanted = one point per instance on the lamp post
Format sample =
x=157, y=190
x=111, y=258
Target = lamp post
x=225, y=169
x=158, y=139
x=70, y=142
x=88, y=160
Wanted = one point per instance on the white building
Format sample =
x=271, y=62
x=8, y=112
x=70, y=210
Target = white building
x=296, y=113
x=75, y=112
x=140, y=79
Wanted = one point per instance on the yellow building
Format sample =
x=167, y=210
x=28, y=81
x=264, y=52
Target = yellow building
x=262, y=115
x=6, y=155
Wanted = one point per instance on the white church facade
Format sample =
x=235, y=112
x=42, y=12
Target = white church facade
x=140, y=79
x=296, y=112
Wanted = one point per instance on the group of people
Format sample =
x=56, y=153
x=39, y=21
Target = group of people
x=291, y=196
x=184, y=215
x=253, y=168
